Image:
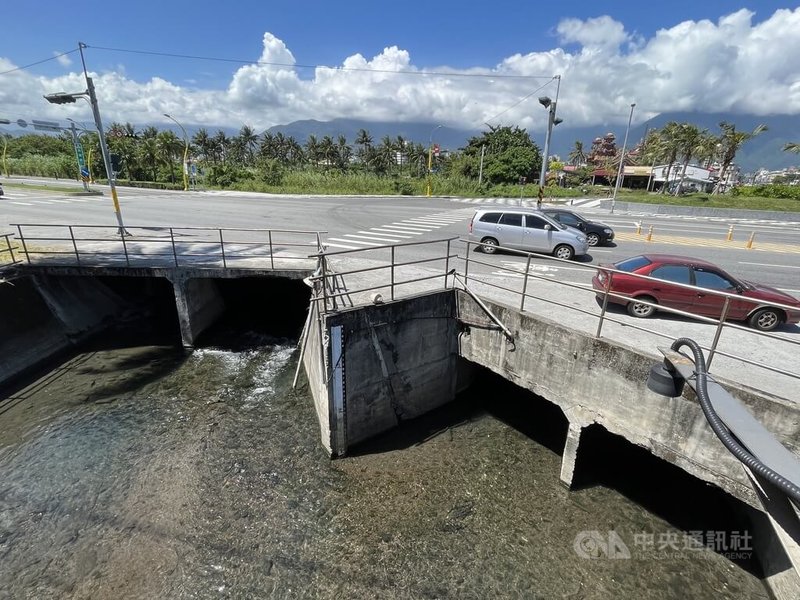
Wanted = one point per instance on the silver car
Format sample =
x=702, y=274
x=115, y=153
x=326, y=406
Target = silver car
x=528, y=230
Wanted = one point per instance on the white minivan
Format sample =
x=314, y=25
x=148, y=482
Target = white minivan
x=528, y=230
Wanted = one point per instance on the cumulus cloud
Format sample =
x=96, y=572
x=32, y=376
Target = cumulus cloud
x=731, y=64
x=63, y=59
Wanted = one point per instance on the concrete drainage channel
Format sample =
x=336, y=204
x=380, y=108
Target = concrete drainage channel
x=373, y=367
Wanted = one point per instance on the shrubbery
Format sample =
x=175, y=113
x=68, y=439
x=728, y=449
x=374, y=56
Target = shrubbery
x=786, y=192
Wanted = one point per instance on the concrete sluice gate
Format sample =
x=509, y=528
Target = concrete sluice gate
x=371, y=368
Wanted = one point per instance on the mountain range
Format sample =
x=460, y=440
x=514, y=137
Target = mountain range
x=763, y=151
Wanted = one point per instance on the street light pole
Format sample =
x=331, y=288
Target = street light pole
x=622, y=160
x=185, y=152
x=65, y=98
x=5, y=146
x=430, y=157
x=551, y=121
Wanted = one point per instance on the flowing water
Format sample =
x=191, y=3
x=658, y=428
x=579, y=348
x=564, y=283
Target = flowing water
x=144, y=472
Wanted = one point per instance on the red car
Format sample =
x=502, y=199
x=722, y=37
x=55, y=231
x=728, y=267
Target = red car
x=753, y=307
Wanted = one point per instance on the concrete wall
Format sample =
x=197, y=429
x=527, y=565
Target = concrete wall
x=315, y=351
x=45, y=315
x=598, y=381
x=397, y=360
x=199, y=304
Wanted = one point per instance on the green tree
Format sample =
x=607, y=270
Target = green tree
x=510, y=154
x=730, y=141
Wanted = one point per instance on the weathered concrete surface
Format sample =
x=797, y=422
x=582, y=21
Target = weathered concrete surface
x=604, y=382
x=43, y=316
x=400, y=360
x=199, y=304
x=315, y=363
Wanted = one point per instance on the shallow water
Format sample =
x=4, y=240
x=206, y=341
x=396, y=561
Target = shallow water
x=147, y=473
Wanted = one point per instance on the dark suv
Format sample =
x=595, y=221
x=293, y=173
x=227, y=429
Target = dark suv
x=597, y=234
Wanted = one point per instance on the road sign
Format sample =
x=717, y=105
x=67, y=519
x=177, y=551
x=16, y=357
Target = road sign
x=436, y=149
x=46, y=125
x=84, y=172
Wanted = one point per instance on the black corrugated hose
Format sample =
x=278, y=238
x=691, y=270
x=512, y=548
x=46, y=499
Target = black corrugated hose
x=719, y=428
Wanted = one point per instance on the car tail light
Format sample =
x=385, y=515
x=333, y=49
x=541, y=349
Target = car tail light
x=601, y=276
x=470, y=224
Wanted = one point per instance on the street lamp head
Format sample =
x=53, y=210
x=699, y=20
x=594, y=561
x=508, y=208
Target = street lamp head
x=557, y=120
x=545, y=101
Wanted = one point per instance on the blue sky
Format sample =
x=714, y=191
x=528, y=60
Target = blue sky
x=661, y=55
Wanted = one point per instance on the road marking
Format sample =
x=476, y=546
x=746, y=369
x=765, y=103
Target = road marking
x=355, y=242
x=429, y=222
x=387, y=231
x=710, y=243
x=23, y=203
x=371, y=237
x=401, y=230
x=329, y=245
x=413, y=226
x=768, y=265
x=60, y=201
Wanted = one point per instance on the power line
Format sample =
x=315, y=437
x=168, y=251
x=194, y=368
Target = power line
x=38, y=62
x=520, y=101
x=301, y=66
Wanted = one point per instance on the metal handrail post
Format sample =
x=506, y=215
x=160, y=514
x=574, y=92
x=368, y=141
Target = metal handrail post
x=446, y=264
x=222, y=249
x=391, y=277
x=24, y=245
x=10, y=247
x=271, y=253
x=122, y=233
x=466, y=264
x=605, y=305
x=74, y=245
x=525, y=284
x=174, y=250
x=718, y=332
x=324, y=284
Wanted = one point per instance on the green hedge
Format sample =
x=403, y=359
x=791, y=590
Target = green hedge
x=786, y=192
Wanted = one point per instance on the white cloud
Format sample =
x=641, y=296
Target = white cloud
x=63, y=59
x=728, y=65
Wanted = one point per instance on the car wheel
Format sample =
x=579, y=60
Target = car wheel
x=489, y=245
x=593, y=239
x=765, y=319
x=637, y=309
x=564, y=252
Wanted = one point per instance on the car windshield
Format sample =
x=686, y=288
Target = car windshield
x=632, y=264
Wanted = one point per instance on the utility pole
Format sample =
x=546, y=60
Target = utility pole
x=480, y=170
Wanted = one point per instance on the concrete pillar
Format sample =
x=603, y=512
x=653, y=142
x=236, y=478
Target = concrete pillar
x=199, y=303
x=570, y=456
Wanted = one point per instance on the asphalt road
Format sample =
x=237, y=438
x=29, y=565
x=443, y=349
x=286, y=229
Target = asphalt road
x=360, y=222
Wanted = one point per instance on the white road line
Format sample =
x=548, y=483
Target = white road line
x=23, y=203
x=371, y=237
x=43, y=202
x=414, y=226
x=769, y=265
x=423, y=221
x=388, y=231
x=355, y=242
x=402, y=230
x=60, y=201
x=329, y=245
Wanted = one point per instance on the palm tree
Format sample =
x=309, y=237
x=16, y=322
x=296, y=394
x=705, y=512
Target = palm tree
x=669, y=136
x=730, y=141
x=168, y=146
x=202, y=140
x=327, y=150
x=343, y=153
x=312, y=149
x=363, y=139
x=792, y=147
x=577, y=156
x=688, y=138
x=148, y=152
x=249, y=141
x=221, y=144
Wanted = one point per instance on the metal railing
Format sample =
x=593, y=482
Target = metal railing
x=94, y=245
x=7, y=257
x=451, y=262
x=331, y=281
